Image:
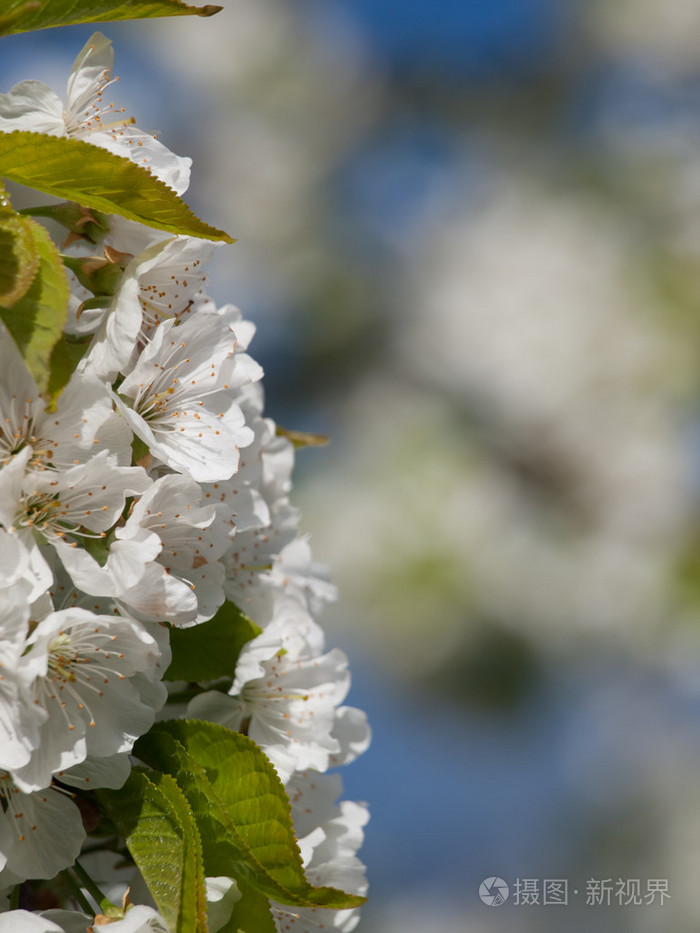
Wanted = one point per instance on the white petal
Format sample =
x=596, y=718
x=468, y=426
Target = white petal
x=132, y=143
x=19, y=726
x=58, y=749
x=11, y=479
x=14, y=629
x=47, y=837
x=85, y=408
x=214, y=706
x=109, y=771
x=114, y=342
x=160, y=596
x=87, y=74
x=36, y=575
x=22, y=921
x=70, y=921
x=129, y=555
x=222, y=894
x=32, y=106
x=84, y=570
x=353, y=733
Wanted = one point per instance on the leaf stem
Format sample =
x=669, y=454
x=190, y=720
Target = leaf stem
x=14, y=898
x=83, y=902
x=89, y=884
x=41, y=210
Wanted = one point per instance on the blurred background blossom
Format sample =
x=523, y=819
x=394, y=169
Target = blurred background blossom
x=469, y=234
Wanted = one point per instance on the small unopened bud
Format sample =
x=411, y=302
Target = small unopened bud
x=100, y=275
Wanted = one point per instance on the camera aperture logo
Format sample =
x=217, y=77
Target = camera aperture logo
x=493, y=891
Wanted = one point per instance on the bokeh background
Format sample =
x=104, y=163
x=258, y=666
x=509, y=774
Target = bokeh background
x=469, y=234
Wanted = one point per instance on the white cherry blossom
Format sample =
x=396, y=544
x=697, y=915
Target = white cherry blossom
x=84, y=671
x=192, y=539
x=32, y=105
x=182, y=397
x=172, y=286
x=284, y=694
x=163, y=280
x=65, y=508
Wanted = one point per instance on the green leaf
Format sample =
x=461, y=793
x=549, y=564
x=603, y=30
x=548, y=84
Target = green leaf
x=153, y=815
x=36, y=320
x=78, y=171
x=242, y=809
x=19, y=257
x=210, y=650
x=25, y=15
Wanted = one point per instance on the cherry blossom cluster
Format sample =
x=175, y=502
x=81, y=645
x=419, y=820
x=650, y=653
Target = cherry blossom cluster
x=153, y=492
